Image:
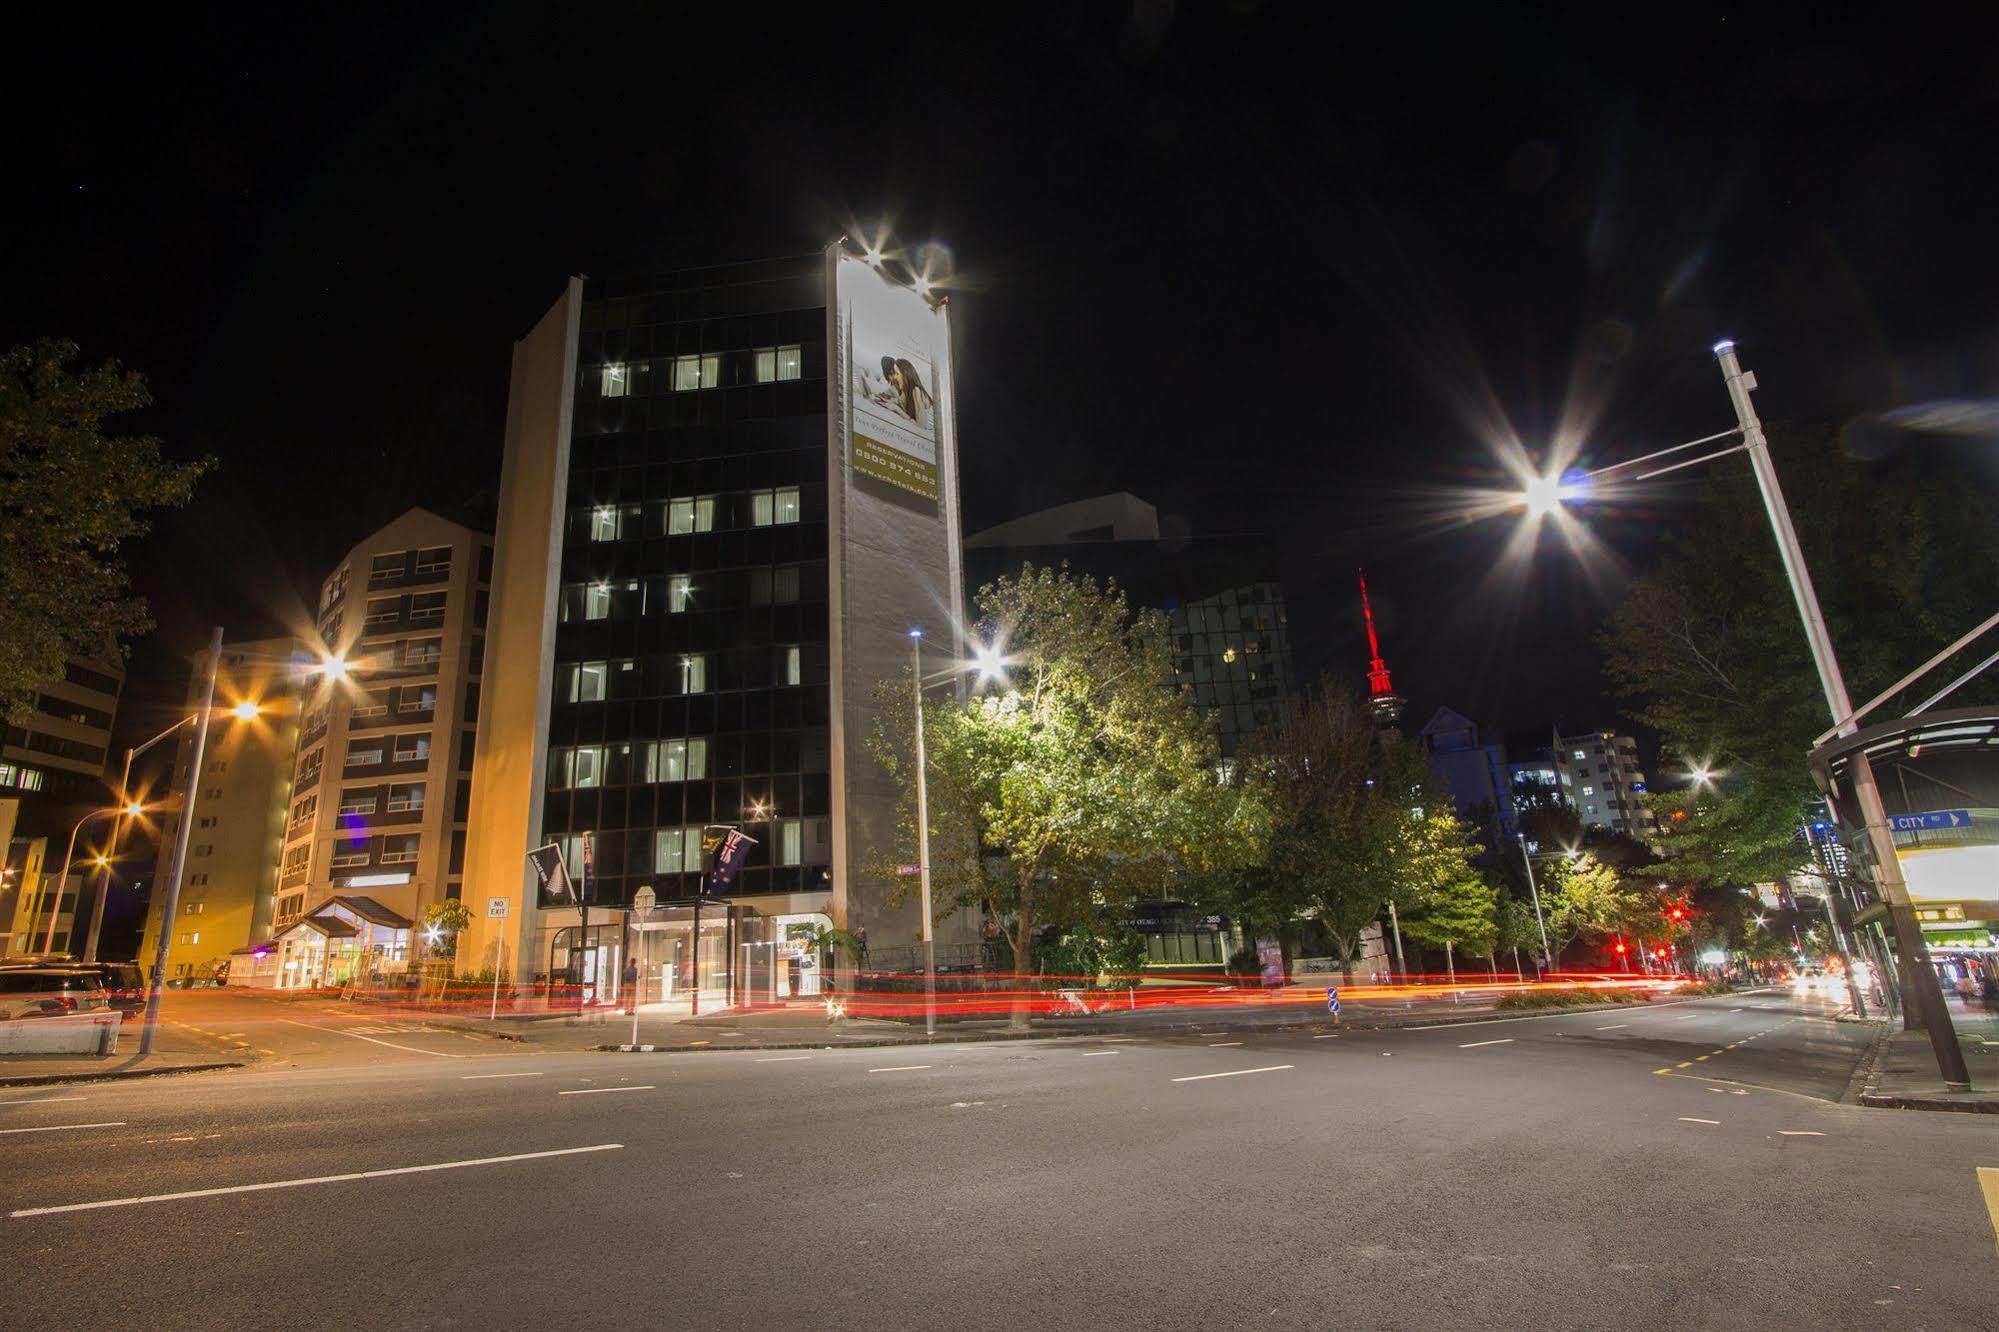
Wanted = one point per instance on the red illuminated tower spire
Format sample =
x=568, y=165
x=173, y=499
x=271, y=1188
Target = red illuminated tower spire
x=1382, y=700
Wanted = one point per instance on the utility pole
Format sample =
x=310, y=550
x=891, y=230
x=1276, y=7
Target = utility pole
x=1918, y=972
x=1534, y=891
x=923, y=840
x=178, y=865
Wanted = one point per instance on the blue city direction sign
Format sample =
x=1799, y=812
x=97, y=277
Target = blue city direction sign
x=1930, y=818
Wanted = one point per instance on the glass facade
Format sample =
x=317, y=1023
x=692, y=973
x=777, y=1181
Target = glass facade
x=690, y=683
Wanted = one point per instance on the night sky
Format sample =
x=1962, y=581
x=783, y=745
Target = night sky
x=1277, y=268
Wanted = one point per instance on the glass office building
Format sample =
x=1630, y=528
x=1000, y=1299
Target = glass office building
x=729, y=494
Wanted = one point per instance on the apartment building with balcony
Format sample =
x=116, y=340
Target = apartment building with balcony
x=1599, y=775
x=382, y=780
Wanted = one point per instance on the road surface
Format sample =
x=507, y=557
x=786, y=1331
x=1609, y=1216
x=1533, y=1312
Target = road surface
x=1677, y=1164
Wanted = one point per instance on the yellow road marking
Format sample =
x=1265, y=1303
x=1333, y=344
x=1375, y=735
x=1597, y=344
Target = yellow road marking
x=1988, y=1180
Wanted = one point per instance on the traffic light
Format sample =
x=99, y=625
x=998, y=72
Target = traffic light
x=1620, y=946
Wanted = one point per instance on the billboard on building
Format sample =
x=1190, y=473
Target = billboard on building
x=896, y=353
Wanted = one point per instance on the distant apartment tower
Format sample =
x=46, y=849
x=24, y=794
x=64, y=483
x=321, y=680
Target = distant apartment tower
x=228, y=894
x=1599, y=775
x=382, y=779
x=1222, y=596
x=51, y=775
x=1477, y=773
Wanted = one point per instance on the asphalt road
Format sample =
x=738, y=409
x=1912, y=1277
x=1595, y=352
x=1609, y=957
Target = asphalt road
x=1675, y=1164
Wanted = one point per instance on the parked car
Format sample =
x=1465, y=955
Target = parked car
x=124, y=985
x=49, y=991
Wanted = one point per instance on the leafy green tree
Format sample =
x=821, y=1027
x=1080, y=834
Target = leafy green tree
x=1083, y=781
x=70, y=496
x=1351, y=826
x=1581, y=897
x=449, y=917
x=1707, y=649
x=1462, y=911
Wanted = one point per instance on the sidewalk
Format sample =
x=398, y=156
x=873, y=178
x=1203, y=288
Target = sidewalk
x=1903, y=1070
x=171, y=1054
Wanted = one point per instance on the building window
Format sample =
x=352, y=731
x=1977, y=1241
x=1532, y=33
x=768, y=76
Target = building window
x=1589, y=790
x=679, y=593
x=412, y=749
x=31, y=779
x=677, y=851
x=304, y=809
x=387, y=568
x=427, y=606
x=382, y=610
x=400, y=850
x=694, y=674
x=586, y=681
x=791, y=665
x=690, y=515
x=361, y=758
x=1579, y=755
x=616, y=380
x=369, y=705
x=420, y=700
x=357, y=803
x=579, y=767
x=422, y=651
x=348, y=854
x=784, y=581
x=696, y=372
x=790, y=848
x=772, y=507
x=614, y=522
x=777, y=363
x=433, y=561
x=406, y=799
x=675, y=761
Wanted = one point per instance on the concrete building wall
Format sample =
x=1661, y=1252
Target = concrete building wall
x=511, y=758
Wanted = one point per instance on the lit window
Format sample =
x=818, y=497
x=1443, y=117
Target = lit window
x=696, y=372
x=791, y=665
x=677, y=851
x=586, y=681
x=1589, y=790
x=579, y=767
x=597, y=601
x=768, y=507
x=679, y=593
x=617, y=380
x=776, y=363
x=31, y=779
x=694, y=674
x=790, y=849
x=676, y=761
x=690, y=515
x=1579, y=754
x=604, y=523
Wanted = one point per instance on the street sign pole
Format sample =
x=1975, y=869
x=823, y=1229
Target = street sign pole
x=496, y=909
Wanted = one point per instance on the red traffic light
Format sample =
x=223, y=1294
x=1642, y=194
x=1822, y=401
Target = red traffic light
x=1620, y=947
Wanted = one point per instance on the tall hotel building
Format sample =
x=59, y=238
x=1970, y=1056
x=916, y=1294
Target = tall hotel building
x=728, y=496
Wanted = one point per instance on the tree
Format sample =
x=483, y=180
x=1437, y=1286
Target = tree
x=1462, y=911
x=70, y=496
x=1582, y=897
x=1085, y=780
x=1351, y=826
x=1707, y=649
x=449, y=917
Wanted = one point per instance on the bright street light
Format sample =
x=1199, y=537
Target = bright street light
x=246, y=711
x=334, y=668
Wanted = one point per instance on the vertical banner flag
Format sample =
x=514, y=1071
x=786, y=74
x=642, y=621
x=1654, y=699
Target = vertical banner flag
x=552, y=876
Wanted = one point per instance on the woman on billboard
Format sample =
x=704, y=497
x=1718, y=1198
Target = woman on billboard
x=911, y=398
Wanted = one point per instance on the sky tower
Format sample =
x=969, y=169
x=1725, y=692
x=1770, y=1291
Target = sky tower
x=1382, y=700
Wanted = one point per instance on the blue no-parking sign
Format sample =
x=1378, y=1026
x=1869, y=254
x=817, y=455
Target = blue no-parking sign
x=1333, y=1000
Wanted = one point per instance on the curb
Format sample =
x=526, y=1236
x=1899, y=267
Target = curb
x=47, y=1079
x=1097, y=1029
x=1947, y=1101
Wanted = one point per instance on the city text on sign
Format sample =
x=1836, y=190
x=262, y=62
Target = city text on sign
x=1932, y=818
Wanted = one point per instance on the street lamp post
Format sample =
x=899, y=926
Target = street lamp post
x=181, y=834
x=1918, y=972
x=1534, y=891
x=55, y=904
x=923, y=839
